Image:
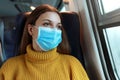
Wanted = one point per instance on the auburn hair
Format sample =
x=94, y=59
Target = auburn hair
x=63, y=47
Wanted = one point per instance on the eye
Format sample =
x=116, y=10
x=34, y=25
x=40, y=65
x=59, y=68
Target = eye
x=46, y=24
x=59, y=26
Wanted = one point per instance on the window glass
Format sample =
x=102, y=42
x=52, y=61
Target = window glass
x=107, y=6
x=112, y=38
x=63, y=9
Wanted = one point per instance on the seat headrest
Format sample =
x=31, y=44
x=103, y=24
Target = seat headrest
x=13, y=34
x=71, y=24
x=21, y=19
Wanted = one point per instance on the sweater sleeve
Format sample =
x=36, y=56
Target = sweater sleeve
x=7, y=69
x=1, y=76
x=77, y=70
x=3, y=70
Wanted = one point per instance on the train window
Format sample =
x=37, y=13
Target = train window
x=106, y=6
x=112, y=39
x=63, y=9
x=105, y=17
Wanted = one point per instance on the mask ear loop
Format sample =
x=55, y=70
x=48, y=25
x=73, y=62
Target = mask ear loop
x=35, y=27
x=38, y=32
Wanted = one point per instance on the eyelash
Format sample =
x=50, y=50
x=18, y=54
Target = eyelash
x=46, y=24
x=59, y=27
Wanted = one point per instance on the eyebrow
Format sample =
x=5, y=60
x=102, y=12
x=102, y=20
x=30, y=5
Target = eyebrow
x=50, y=21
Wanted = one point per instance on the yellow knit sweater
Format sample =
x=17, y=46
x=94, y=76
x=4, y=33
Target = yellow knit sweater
x=42, y=66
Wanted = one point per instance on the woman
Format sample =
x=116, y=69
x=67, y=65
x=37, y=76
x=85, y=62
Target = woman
x=44, y=40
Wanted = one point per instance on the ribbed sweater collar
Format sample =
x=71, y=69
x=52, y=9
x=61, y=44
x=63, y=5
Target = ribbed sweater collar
x=35, y=56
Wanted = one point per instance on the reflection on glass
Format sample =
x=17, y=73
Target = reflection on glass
x=63, y=9
x=112, y=37
x=109, y=5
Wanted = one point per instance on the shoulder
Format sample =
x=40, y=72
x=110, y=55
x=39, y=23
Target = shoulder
x=11, y=62
x=77, y=70
x=14, y=59
x=70, y=59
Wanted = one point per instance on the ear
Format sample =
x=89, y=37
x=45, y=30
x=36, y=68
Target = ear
x=30, y=29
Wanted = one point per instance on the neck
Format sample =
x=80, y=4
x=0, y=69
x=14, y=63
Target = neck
x=36, y=47
x=35, y=56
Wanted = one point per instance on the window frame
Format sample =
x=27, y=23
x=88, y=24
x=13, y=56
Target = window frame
x=100, y=22
x=112, y=17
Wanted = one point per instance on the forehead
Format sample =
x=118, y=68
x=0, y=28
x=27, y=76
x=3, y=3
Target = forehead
x=52, y=16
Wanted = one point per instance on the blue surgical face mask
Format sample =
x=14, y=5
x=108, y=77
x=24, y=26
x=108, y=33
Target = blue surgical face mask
x=48, y=38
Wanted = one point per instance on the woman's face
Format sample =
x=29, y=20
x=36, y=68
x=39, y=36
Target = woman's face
x=47, y=19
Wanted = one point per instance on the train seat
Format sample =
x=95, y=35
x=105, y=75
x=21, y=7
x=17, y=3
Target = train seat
x=71, y=24
x=11, y=33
